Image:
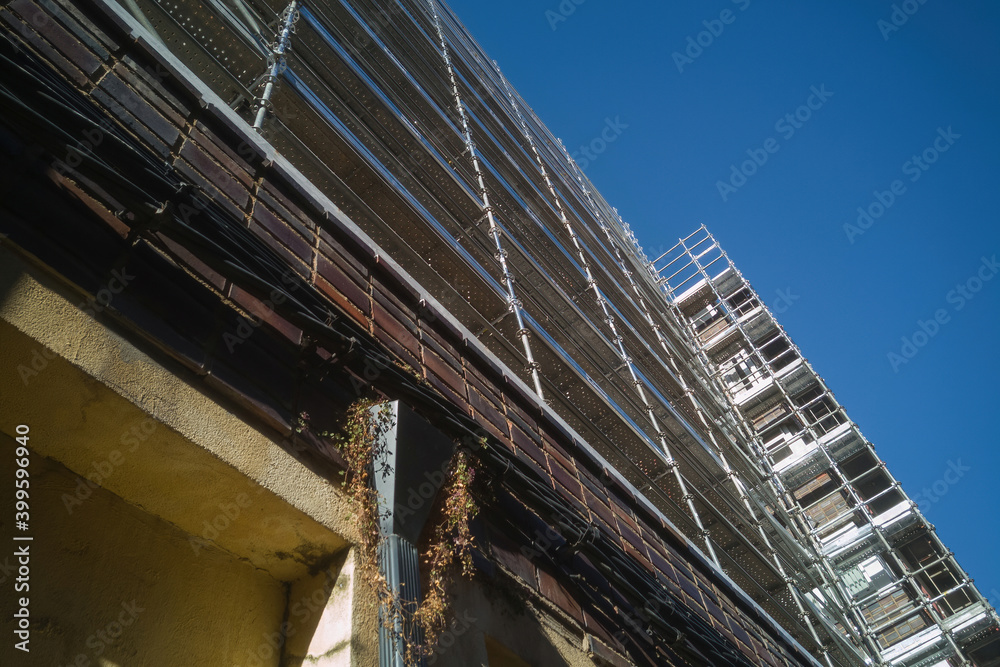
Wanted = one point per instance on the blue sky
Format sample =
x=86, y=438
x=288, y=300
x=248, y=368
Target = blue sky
x=889, y=93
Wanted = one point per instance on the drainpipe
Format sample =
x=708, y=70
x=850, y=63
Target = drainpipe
x=411, y=469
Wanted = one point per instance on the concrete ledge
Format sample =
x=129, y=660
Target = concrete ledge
x=115, y=417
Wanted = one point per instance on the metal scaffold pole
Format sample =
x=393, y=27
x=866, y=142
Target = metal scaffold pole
x=813, y=412
x=276, y=61
x=730, y=473
x=787, y=497
x=494, y=229
x=615, y=335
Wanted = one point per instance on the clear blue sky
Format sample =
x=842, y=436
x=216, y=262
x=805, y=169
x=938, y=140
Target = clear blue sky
x=784, y=227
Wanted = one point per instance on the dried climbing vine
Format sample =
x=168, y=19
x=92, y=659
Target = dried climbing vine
x=451, y=541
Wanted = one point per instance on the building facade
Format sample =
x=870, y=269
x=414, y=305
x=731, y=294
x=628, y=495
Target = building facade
x=883, y=564
x=227, y=222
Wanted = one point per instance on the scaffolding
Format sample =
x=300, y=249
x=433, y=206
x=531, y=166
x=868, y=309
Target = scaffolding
x=513, y=302
x=912, y=601
x=399, y=115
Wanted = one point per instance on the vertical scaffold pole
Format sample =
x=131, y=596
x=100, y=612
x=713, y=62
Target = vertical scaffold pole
x=513, y=303
x=276, y=61
x=727, y=469
x=610, y=321
x=808, y=534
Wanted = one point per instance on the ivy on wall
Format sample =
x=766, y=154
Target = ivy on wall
x=449, y=550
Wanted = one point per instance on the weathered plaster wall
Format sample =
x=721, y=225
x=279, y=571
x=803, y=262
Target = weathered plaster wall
x=149, y=494
x=113, y=585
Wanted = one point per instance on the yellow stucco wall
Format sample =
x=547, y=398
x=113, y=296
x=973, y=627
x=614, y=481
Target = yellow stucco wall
x=156, y=508
x=114, y=585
